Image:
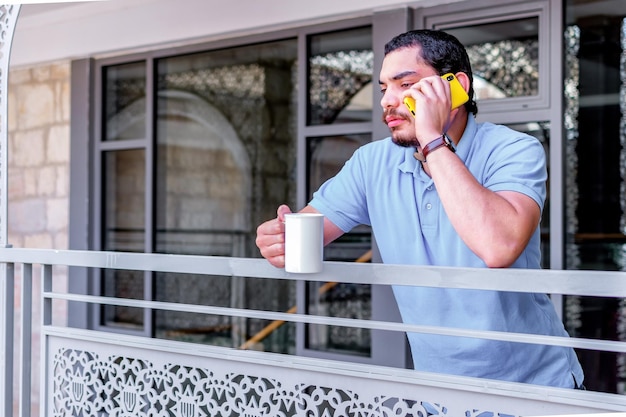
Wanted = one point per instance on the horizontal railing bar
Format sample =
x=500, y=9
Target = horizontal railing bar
x=603, y=345
x=584, y=283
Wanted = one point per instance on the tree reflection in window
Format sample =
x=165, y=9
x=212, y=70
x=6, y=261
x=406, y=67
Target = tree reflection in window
x=508, y=66
x=335, y=78
x=505, y=54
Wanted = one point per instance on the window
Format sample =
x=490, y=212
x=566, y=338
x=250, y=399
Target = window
x=504, y=57
x=195, y=151
x=509, y=48
x=195, y=148
x=595, y=188
x=339, y=114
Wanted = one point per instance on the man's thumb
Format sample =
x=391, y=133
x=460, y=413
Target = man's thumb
x=281, y=211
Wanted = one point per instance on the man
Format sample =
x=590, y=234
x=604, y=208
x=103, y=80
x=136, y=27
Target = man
x=445, y=190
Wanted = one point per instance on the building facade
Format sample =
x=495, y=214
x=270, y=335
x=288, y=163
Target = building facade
x=177, y=127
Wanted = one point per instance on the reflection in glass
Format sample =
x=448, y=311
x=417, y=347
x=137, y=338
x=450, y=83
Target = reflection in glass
x=326, y=157
x=340, y=69
x=339, y=300
x=123, y=230
x=225, y=159
x=225, y=133
x=621, y=251
x=203, y=179
x=504, y=57
x=595, y=238
x=124, y=101
x=122, y=284
x=190, y=327
x=124, y=196
x=327, y=154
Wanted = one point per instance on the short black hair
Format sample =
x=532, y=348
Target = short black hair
x=442, y=51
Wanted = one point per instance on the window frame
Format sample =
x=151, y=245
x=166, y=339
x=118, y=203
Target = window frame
x=469, y=13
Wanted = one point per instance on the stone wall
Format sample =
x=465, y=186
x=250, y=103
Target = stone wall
x=38, y=175
x=39, y=132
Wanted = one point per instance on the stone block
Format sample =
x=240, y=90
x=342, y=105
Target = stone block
x=16, y=184
x=28, y=148
x=46, y=183
x=19, y=76
x=60, y=70
x=57, y=213
x=63, y=181
x=31, y=181
x=35, y=105
x=39, y=240
x=58, y=144
x=12, y=111
x=60, y=241
x=63, y=101
x=28, y=216
x=41, y=73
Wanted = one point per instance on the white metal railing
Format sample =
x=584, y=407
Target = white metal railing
x=86, y=372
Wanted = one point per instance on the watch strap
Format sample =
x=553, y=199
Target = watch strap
x=442, y=140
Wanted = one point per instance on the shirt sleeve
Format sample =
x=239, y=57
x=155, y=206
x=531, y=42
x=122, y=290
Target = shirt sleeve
x=517, y=164
x=342, y=198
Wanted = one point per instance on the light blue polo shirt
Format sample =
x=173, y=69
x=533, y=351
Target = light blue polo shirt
x=382, y=185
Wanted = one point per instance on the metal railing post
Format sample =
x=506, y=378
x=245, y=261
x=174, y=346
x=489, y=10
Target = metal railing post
x=6, y=338
x=46, y=320
x=26, y=340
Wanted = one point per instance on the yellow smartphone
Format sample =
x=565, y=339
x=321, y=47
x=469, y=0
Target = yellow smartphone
x=458, y=96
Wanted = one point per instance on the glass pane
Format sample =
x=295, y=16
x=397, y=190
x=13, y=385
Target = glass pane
x=340, y=77
x=226, y=128
x=123, y=230
x=504, y=57
x=595, y=174
x=124, y=201
x=339, y=300
x=124, y=101
x=122, y=284
x=223, y=330
x=225, y=159
x=196, y=289
x=327, y=155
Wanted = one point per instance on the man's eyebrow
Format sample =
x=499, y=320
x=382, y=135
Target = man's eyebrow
x=400, y=76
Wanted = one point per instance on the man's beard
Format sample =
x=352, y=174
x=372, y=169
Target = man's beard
x=401, y=139
x=404, y=140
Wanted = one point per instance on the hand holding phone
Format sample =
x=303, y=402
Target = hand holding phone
x=458, y=96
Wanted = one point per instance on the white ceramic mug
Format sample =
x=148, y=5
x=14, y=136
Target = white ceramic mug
x=304, y=242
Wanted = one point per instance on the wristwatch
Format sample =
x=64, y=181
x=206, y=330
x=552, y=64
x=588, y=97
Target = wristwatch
x=442, y=140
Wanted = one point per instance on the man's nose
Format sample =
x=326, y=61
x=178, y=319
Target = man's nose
x=389, y=100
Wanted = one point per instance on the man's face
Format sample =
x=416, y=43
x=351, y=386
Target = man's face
x=401, y=69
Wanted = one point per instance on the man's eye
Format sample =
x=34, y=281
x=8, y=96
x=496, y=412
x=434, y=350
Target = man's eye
x=406, y=85
x=383, y=90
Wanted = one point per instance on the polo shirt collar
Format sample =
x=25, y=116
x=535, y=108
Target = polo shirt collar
x=410, y=165
x=469, y=135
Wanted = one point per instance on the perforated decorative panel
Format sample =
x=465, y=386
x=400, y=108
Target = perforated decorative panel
x=88, y=384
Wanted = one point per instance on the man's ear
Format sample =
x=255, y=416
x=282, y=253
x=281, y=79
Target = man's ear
x=464, y=80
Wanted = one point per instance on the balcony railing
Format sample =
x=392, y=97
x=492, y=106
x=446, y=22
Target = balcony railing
x=87, y=372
